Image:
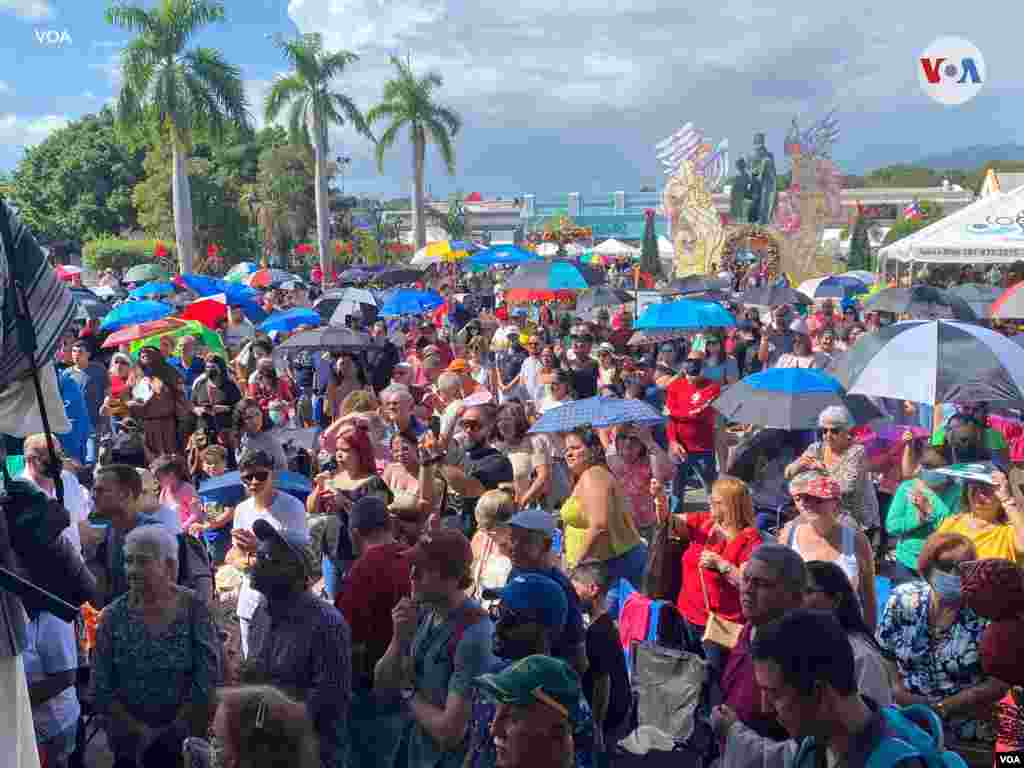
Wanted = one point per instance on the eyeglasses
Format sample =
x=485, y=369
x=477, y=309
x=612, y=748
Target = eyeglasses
x=258, y=476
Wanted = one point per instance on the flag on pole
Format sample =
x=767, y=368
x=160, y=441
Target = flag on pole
x=913, y=211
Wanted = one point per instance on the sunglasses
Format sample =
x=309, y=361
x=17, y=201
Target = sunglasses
x=256, y=477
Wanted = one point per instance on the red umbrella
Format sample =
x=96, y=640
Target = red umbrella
x=207, y=310
x=522, y=295
x=140, y=331
x=66, y=272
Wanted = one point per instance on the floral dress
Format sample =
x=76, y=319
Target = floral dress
x=932, y=666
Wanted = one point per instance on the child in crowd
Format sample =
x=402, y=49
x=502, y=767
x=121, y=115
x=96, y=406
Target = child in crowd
x=215, y=527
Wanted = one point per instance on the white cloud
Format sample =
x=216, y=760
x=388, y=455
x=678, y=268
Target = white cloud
x=27, y=131
x=30, y=10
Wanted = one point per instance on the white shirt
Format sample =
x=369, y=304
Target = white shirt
x=286, y=513
x=529, y=378
x=52, y=647
x=76, y=502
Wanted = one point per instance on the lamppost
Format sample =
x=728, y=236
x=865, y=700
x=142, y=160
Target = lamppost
x=253, y=202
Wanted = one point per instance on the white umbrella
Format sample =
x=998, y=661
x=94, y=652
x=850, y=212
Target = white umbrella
x=868, y=278
x=421, y=259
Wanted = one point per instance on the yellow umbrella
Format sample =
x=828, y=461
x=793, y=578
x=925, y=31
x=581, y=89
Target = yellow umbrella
x=441, y=248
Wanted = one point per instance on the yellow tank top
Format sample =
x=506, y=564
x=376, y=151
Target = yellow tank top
x=622, y=534
x=995, y=541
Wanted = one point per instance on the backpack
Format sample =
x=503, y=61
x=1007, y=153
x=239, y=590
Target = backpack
x=912, y=735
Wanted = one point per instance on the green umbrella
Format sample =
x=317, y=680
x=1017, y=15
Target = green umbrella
x=210, y=339
x=143, y=273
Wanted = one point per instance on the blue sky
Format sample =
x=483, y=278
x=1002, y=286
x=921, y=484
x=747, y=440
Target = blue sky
x=569, y=96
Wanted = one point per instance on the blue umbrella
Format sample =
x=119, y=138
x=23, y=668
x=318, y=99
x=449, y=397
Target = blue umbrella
x=501, y=254
x=684, y=313
x=404, y=301
x=290, y=319
x=227, y=489
x=833, y=287
x=597, y=412
x=789, y=398
x=132, y=312
x=554, y=276
x=152, y=289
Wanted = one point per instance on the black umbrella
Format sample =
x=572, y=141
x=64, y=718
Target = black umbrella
x=697, y=284
x=979, y=297
x=921, y=301
x=557, y=275
x=775, y=295
x=328, y=338
x=601, y=296
x=90, y=309
x=396, y=276
x=935, y=361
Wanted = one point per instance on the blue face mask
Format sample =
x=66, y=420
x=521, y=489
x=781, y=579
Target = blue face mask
x=946, y=585
x=932, y=478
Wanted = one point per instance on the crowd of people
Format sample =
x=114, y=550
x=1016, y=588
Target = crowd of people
x=447, y=588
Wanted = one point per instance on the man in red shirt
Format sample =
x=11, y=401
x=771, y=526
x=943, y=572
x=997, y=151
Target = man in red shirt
x=691, y=426
x=374, y=585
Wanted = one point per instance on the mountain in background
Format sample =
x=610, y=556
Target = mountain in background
x=970, y=158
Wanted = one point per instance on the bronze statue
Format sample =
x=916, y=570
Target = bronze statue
x=762, y=183
x=739, y=206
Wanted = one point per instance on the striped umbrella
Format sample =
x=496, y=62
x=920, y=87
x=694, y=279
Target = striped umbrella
x=935, y=361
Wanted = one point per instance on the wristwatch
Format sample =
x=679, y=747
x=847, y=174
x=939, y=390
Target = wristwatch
x=940, y=709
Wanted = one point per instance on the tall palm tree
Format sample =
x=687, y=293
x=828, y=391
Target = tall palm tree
x=187, y=90
x=408, y=101
x=314, y=108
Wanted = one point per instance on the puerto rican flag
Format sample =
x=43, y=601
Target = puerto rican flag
x=913, y=211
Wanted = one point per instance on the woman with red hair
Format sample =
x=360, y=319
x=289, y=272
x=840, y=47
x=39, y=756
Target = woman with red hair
x=352, y=476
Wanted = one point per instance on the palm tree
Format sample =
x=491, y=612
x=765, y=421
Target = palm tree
x=314, y=108
x=407, y=101
x=187, y=90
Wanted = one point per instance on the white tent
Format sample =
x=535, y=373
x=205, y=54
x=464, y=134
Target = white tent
x=615, y=247
x=988, y=231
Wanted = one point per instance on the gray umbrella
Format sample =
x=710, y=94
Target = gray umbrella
x=921, y=301
x=601, y=296
x=979, y=297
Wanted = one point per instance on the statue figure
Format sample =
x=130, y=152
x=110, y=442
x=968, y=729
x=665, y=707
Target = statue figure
x=763, y=192
x=697, y=231
x=739, y=207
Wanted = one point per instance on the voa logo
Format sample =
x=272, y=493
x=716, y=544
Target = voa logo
x=951, y=71
x=52, y=37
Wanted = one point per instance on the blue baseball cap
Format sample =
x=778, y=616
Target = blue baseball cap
x=534, y=520
x=535, y=596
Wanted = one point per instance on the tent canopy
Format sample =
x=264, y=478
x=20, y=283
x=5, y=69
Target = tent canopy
x=614, y=247
x=988, y=231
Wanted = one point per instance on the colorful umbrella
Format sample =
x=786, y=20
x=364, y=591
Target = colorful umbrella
x=597, y=412
x=227, y=489
x=140, y=331
x=211, y=340
x=143, y=273
x=132, y=312
x=684, y=313
x=237, y=295
x=67, y=271
x=868, y=278
x=262, y=278
x=240, y=271
x=291, y=319
x=159, y=288
x=1009, y=306
x=208, y=310
x=560, y=275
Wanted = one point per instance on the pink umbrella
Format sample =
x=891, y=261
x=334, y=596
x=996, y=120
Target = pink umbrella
x=881, y=438
x=66, y=271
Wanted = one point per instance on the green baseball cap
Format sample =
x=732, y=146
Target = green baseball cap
x=536, y=678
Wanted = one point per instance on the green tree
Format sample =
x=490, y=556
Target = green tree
x=649, y=261
x=76, y=184
x=187, y=90
x=314, y=108
x=408, y=101
x=931, y=212
x=860, y=246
